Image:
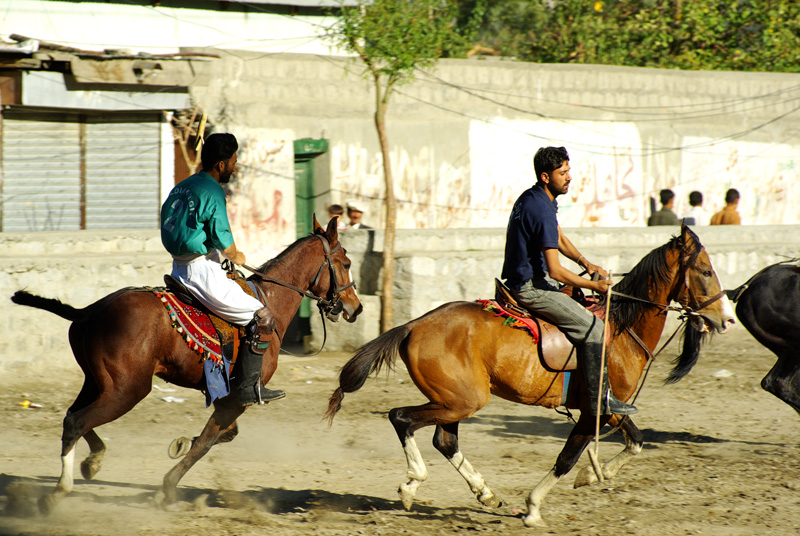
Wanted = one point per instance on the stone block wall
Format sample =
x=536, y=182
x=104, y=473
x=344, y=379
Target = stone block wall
x=433, y=266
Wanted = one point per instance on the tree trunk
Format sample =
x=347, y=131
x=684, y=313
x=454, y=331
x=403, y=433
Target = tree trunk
x=387, y=319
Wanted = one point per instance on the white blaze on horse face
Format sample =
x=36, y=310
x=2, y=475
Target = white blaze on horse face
x=727, y=310
x=350, y=275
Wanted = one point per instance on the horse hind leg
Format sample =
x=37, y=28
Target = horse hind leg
x=445, y=439
x=78, y=423
x=408, y=420
x=417, y=473
x=90, y=466
x=633, y=446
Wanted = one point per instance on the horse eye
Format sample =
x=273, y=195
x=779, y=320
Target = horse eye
x=346, y=266
x=707, y=273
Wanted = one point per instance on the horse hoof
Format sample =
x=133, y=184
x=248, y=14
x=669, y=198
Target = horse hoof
x=490, y=499
x=179, y=447
x=89, y=468
x=165, y=502
x=47, y=503
x=585, y=477
x=534, y=520
x=406, y=496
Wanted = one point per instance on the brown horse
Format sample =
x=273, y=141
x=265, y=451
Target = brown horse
x=458, y=355
x=124, y=339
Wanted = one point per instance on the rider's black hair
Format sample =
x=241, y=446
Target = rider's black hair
x=548, y=159
x=218, y=147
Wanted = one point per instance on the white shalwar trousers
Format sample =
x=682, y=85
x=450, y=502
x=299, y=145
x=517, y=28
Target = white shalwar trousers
x=208, y=282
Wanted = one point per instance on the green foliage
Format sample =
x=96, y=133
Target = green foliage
x=750, y=35
x=394, y=37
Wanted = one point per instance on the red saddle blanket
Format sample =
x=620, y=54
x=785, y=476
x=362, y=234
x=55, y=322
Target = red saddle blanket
x=512, y=320
x=194, y=326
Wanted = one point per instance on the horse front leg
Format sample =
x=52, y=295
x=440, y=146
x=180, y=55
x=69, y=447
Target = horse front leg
x=633, y=446
x=783, y=380
x=582, y=433
x=445, y=439
x=222, y=420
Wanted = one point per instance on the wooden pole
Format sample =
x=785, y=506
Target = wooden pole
x=593, y=455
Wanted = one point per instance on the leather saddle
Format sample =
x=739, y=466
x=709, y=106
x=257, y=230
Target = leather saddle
x=229, y=335
x=555, y=351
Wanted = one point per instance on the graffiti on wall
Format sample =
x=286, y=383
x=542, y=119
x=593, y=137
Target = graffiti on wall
x=614, y=177
x=607, y=181
x=430, y=192
x=261, y=204
x=765, y=175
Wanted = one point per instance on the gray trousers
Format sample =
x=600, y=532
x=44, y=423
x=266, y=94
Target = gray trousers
x=543, y=297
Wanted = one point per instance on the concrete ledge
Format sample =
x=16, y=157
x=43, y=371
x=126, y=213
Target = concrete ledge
x=433, y=266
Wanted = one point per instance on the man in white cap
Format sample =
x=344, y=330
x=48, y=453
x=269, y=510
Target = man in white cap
x=354, y=212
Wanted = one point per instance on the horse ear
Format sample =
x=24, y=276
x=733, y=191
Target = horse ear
x=332, y=232
x=316, y=226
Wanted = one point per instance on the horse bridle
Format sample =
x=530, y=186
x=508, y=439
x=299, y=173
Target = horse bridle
x=689, y=306
x=332, y=304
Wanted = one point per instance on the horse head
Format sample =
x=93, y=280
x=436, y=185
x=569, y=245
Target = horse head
x=698, y=289
x=335, y=283
x=702, y=299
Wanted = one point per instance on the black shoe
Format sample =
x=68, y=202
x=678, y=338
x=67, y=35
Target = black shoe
x=249, y=396
x=610, y=405
x=613, y=406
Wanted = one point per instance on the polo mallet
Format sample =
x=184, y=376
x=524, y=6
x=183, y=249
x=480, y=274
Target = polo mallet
x=593, y=453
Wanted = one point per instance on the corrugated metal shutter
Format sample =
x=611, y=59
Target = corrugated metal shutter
x=41, y=175
x=122, y=175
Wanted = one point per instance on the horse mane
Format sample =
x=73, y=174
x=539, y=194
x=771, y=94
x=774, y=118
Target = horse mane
x=280, y=259
x=651, y=271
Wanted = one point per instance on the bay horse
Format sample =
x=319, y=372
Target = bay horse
x=125, y=338
x=458, y=355
x=768, y=306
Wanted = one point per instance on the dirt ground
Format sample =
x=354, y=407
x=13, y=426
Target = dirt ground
x=720, y=458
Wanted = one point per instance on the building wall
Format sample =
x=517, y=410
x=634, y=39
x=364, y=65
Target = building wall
x=434, y=266
x=463, y=135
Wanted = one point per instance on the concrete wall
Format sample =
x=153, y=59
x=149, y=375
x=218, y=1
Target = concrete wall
x=433, y=267
x=462, y=136
x=442, y=265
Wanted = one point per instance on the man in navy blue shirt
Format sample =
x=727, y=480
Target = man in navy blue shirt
x=532, y=270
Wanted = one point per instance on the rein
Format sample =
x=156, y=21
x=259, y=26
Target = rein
x=331, y=306
x=686, y=312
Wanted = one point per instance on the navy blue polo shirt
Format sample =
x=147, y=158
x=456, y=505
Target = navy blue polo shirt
x=532, y=226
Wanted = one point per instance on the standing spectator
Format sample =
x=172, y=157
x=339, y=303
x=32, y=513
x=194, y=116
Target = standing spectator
x=696, y=215
x=728, y=215
x=337, y=211
x=354, y=212
x=665, y=216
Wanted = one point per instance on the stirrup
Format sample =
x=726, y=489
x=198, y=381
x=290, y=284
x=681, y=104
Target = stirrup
x=258, y=394
x=614, y=406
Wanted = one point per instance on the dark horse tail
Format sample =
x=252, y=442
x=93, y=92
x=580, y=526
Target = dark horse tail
x=56, y=307
x=369, y=359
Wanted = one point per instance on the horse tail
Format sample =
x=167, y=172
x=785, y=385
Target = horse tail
x=369, y=359
x=22, y=297
x=692, y=340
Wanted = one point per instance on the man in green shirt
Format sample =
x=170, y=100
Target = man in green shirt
x=196, y=232
x=665, y=216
